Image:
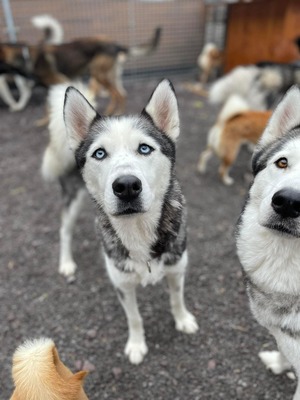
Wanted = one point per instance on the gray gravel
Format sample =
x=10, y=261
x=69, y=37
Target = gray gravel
x=85, y=319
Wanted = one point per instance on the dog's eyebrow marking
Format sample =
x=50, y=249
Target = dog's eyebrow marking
x=260, y=159
x=290, y=332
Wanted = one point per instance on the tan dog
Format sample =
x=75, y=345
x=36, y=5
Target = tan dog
x=236, y=125
x=39, y=374
x=208, y=61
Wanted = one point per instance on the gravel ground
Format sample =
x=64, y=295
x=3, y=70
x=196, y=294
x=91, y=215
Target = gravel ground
x=85, y=318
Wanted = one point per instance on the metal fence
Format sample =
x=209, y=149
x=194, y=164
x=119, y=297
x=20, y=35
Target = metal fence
x=128, y=22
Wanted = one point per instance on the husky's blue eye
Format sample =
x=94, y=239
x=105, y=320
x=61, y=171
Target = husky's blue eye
x=99, y=154
x=145, y=149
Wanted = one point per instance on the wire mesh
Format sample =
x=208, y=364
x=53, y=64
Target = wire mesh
x=128, y=22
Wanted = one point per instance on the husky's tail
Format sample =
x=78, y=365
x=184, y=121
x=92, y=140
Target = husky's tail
x=146, y=48
x=38, y=373
x=58, y=159
x=238, y=81
x=53, y=31
x=234, y=106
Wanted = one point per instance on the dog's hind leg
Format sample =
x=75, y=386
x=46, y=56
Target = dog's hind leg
x=25, y=88
x=73, y=195
x=6, y=94
x=203, y=159
x=184, y=320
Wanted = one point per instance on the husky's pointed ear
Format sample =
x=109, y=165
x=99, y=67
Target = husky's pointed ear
x=285, y=117
x=163, y=109
x=78, y=116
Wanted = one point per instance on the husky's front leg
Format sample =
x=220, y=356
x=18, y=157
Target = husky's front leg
x=184, y=320
x=136, y=347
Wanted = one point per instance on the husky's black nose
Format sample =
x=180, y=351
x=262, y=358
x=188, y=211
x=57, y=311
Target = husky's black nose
x=286, y=203
x=127, y=187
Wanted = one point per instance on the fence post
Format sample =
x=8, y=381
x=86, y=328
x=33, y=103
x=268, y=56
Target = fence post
x=11, y=29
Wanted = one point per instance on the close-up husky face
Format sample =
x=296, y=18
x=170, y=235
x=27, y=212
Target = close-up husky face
x=276, y=164
x=125, y=161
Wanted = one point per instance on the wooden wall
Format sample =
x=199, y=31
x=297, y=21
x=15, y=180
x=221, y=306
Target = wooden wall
x=262, y=30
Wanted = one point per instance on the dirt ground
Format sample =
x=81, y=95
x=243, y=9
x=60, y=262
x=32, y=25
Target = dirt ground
x=85, y=318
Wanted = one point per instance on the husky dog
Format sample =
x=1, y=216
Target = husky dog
x=127, y=164
x=268, y=240
x=260, y=85
x=38, y=373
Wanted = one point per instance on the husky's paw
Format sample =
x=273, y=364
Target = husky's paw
x=67, y=268
x=201, y=167
x=274, y=361
x=187, y=323
x=136, y=351
x=228, y=181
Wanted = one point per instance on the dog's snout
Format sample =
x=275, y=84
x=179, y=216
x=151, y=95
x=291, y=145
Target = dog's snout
x=286, y=203
x=127, y=187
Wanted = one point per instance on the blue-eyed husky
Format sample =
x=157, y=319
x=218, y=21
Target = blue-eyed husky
x=127, y=164
x=268, y=240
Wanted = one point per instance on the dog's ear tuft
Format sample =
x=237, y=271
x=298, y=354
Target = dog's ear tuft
x=78, y=116
x=79, y=376
x=285, y=117
x=163, y=109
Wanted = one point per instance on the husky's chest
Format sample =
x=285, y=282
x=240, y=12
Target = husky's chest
x=145, y=248
x=275, y=310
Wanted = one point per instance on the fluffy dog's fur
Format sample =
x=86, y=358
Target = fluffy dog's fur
x=127, y=164
x=59, y=166
x=236, y=125
x=268, y=235
x=209, y=61
x=39, y=374
x=260, y=85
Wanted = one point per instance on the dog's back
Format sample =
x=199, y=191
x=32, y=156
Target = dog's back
x=39, y=374
x=247, y=126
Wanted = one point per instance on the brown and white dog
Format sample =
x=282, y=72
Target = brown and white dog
x=39, y=374
x=101, y=58
x=236, y=125
x=209, y=60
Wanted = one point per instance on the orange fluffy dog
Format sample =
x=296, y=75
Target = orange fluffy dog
x=236, y=125
x=209, y=60
x=39, y=374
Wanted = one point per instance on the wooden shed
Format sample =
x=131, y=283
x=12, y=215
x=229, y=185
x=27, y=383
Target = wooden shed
x=261, y=30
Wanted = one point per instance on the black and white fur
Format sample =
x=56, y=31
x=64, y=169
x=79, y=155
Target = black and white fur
x=268, y=240
x=53, y=34
x=260, y=85
x=127, y=164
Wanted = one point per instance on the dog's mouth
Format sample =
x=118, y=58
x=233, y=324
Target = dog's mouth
x=286, y=228
x=128, y=209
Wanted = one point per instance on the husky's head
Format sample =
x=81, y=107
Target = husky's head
x=126, y=161
x=276, y=165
